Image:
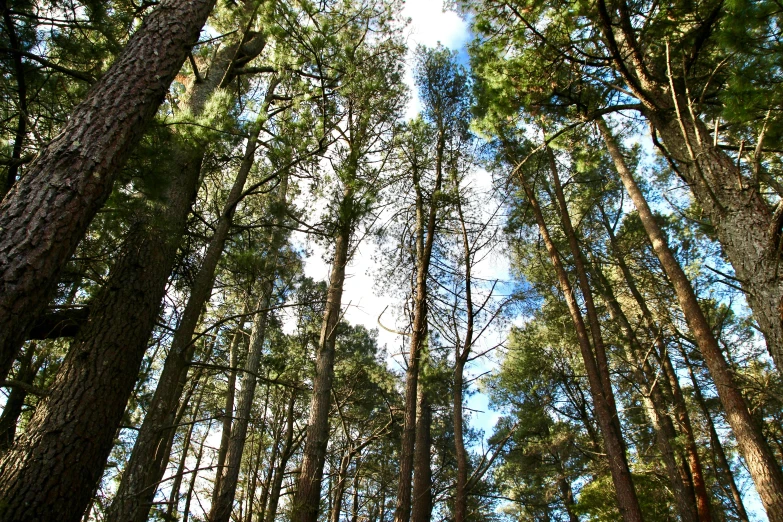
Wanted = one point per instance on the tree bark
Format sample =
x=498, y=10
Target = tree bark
x=28, y=369
x=425, y=238
x=228, y=408
x=421, y=510
x=45, y=214
x=53, y=468
x=627, y=501
x=308, y=487
x=675, y=392
x=146, y=465
x=763, y=467
x=285, y=455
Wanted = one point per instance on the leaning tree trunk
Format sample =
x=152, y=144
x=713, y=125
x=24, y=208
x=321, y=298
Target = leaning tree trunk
x=147, y=462
x=15, y=401
x=47, y=212
x=223, y=501
x=627, y=501
x=52, y=470
x=308, y=486
x=749, y=233
x=762, y=465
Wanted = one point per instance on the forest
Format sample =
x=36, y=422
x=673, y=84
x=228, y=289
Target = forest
x=573, y=226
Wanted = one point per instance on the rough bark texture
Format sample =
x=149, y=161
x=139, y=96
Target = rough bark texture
x=421, y=509
x=228, y=411
x=150, y=452
x=46, y=213
x=52, y=470
x=762, y=465
x=308, y=487
x=627, y=501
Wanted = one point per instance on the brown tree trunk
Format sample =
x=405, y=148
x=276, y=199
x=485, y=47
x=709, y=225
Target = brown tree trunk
x=421, y=510
x=742, y=219
x=717, y=446
x=285, y=455
x=45, y=214
x=28, y=369
x=339, y=488
x=194, y=475
x=147, y=462
x=308, y=486
x=54, y=467
x=627, y=502
x=675, y=392
x=425, y=238
x=763, y=467
x=223, y=502
x=655, y=405
x=228, y=409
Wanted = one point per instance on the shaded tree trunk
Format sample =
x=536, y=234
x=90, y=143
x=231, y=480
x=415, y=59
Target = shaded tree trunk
x=763, y=467
x=228, y=409
x=28, y=369
x=150, y=452
x=52, y=470
x=46, y=214
x=285, y=455
x=421, y=510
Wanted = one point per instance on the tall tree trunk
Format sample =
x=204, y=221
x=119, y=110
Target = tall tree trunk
x=228, y=408
x=46, y=213
x=224, y=501
x=675, y=392
x=28, y=369
x=425, y=238
x=308, y=487
x=194, y=474
x=627, y=501
x=655, y=406
x=285, y=455
x=21, y=91
x=747, y=229
x=339, y=488
x=147, y=462
x=717, y=446
x=54, y=467
x=421, y=510
x=763, y=467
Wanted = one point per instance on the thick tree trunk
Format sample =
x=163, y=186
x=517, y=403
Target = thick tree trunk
x=47, y=212
x=147, y=463
x=763, y=467
x=53, y=468
x=627, y=502
x=421, y=510
x=742, y=219
x=308, y=487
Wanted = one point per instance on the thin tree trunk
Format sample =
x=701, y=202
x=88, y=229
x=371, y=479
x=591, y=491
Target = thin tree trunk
x=308, y=490
x=147, y=461
x=717, y=446
x=228, y=411
x=287, y=452
x=425, y=238
x=15, y=402
x=194, y=475
x=680, y=408
x=21, y=90
x=627, y=501
x=763, y=467
x=655, y=406
x=46, y=213
x=421, y=510
x=339, y=488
